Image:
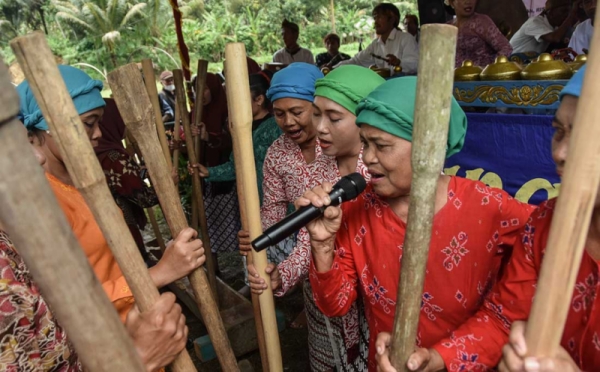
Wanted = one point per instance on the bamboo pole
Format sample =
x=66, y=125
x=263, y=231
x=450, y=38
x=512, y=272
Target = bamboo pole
x=31, y=214
x=135, y=107
x=56, y=104
x=570, y=224
x=150, y=82
x=177, y=136
x=430, y=135
x=260, y=333
x=198, y=109
x=240, y=118
x=197, y=193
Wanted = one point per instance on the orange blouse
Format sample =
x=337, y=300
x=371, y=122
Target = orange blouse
x=94, y=245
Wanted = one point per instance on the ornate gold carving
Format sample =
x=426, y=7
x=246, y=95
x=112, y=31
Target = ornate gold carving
x=525, y=95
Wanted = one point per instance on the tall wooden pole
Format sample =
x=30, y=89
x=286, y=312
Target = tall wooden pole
x=571, y=220
x=197, y=193
x=240, y=118
x=260, y=332
x=430, y=136
x=136, y=109
x=332, y=7
x=150, y=82
x=31, y=214
x=197, y=119
x=67, y=130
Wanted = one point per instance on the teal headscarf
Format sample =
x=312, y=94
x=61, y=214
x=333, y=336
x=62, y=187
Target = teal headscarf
x=573, y=87
x=391, y=107
x=84, y=91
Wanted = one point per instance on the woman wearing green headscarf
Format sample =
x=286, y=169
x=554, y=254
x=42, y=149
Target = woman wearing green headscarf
x=337, y=342
x=357, y=249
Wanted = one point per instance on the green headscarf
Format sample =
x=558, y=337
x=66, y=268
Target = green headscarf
x=391, y=108
x=347, y=85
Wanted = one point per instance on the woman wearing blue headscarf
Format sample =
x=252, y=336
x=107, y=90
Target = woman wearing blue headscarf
x=180, y=258
x=480, y=339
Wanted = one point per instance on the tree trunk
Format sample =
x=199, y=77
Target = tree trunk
x=332, y=5
x=43, y=19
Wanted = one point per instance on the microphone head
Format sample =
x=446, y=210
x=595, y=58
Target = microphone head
x=352, y=185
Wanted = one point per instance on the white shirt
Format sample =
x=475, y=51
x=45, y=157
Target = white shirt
x=582, y=36
x=303, y=55
x=529, y=36
x=400, y=44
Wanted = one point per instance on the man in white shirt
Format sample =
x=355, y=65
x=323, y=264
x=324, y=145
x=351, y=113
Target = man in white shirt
x=396, y=47
x=292, y=52
x=549, y=27
x=580, y=41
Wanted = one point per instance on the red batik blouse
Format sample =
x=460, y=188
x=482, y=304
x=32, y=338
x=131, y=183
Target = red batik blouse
x=471, y=236
x=477, y=345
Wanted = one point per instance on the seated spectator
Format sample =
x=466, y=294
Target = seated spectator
x=550, y=27
x=392, y=48
x=411, y=24
x=479, y=40
x=167, y=96
x=332, y=56
x=292, y=52
x=580, y=41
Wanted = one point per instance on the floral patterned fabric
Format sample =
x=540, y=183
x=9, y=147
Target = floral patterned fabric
x=470, y=239
x=480, y=41
x=286, y=177
x=30, y=337
x=477, y=344
x=348, y=342
x=125, y=181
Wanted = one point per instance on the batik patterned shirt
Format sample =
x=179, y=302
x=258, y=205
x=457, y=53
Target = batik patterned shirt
x=471, y=236
x=31, y=339
x=477, y=345
x=480, y=41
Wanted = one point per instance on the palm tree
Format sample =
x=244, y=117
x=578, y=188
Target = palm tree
x=104, y=19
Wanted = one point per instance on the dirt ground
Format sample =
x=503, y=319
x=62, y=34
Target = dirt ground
x=294, y=347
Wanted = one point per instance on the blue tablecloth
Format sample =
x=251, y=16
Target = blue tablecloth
x=512, y=152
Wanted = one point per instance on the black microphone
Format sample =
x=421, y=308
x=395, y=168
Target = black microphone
x=348, y=188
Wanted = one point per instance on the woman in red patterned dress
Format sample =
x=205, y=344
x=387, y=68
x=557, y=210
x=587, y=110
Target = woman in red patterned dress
x=478, y=343
x=359, y=252
x=336, y=342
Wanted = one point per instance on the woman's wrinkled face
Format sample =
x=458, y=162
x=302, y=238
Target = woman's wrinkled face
x=388, y=159
x=37, y=151
x=336, y=128
x=294, y=117
x=91, y=122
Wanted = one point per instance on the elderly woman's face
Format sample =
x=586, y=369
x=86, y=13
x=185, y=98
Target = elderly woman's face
x=294, y=117
x=336, y=128
x=388, y=160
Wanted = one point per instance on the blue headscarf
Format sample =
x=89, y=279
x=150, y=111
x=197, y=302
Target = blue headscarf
x=295, y=81
x=84, y=91
x=573, y=87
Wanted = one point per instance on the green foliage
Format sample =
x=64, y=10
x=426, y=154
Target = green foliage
x=109, y=33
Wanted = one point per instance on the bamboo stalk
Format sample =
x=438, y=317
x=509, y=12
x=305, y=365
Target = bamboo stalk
x=197, y=192
x=260, y=332
x=571, y=220
x=56, y=104
x=240, y=117
x=150, y=82
x=58, y=265
x=177, y=136
x=198, y=109
x=430, y=135
x=135, y=107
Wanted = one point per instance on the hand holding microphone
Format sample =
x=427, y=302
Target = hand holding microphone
x=313, y=204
